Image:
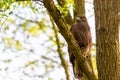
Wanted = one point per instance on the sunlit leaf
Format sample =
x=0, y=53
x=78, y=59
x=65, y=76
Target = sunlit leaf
x=18, y=45
x=64, y=9
x=24, y=25
x=9, y=42
x=94, y=65
x=34, y=30
x=42, y=25
x=29, y=63
x=4, y=14
x=50, y=78
x=11, y=20
x=7, y=61
x=71, y=1
x=46, y=68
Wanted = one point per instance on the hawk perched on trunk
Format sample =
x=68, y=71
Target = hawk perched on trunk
x=81, y=32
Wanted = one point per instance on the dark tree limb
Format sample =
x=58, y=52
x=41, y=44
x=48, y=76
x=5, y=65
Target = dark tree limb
x=60, y=53
x=62, y=25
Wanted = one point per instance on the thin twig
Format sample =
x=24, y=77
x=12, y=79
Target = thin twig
x=63, y=61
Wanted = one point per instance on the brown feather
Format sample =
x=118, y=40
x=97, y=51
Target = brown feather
x=81, y=32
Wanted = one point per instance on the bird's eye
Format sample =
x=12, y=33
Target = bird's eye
x=82, y=17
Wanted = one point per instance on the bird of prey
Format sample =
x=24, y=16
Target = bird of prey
x=81, y=32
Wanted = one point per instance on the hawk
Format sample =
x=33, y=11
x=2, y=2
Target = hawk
x=81, y=33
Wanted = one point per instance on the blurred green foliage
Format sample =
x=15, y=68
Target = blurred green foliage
x=25, y=28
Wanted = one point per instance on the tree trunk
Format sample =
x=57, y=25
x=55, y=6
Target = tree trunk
x=107, y=39
x=79, y=7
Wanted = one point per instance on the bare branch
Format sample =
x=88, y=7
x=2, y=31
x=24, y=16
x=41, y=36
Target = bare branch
x=63, y=61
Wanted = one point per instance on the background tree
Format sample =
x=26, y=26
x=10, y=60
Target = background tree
x=107, y=39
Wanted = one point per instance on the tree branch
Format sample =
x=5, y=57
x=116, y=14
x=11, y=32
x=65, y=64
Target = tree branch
x=67, y=17
x=62, y=25
x=63, y=61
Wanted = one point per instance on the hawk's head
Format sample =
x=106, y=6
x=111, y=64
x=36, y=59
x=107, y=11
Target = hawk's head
x=80, y=18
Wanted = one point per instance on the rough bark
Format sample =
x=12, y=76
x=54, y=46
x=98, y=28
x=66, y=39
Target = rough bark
x=79, y=7
x=61, y=24
x=107, y=39
x=119, y=11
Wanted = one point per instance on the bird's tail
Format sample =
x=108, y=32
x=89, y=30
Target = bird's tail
x=77, y=71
